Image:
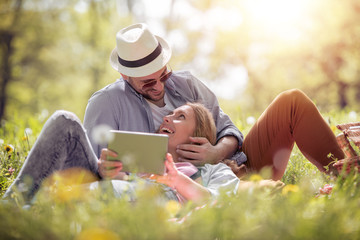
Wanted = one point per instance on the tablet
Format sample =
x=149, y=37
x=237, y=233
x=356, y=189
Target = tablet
x=140, y=152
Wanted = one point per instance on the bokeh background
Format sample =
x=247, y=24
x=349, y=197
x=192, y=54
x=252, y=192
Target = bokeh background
x=55, y=54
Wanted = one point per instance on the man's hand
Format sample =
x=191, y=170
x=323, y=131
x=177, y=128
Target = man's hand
x=199, y=152
x=109, y=169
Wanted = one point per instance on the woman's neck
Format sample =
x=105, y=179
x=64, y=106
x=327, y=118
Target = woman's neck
x=174, y=154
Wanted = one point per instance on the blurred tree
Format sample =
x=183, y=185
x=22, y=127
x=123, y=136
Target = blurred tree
x=91, y=27
x=323, y=60
x=338, y=33
x=25, y=65
x=10, y=16
x=309, y=45
x=54, y=54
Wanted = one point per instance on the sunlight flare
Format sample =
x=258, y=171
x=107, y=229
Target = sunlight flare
x=281, y=18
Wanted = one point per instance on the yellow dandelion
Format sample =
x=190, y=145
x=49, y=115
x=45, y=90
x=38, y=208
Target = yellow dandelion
x=9, y=148
x=289, y=188
x=97, y=234
x=24, y=138
x=172, y=207
x=255, y=178
x=65, y=186
x=333, y=128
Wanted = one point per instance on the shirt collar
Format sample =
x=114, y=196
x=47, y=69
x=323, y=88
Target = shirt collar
x=132, y=89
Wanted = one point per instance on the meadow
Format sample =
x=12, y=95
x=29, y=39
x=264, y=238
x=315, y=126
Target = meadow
x=310, y=206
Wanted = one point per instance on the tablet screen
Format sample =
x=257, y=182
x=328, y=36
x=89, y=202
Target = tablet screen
x=140, y=152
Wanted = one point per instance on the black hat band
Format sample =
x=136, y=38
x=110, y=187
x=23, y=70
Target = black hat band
x=143, y=61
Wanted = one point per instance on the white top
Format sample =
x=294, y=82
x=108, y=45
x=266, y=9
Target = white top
x=160, y=112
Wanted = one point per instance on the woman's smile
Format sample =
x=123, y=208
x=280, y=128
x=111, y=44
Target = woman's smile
x=166, y=130
x=179, y=126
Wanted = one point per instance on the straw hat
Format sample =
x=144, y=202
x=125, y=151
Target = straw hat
x=138, y=52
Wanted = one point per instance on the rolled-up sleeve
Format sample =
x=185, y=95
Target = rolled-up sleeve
x=219, y=178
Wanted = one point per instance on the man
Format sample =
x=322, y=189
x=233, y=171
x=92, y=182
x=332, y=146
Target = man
x=148, y=90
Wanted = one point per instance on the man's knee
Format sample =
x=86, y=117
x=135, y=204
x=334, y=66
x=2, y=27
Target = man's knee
x=292, y=95
x=65, y=114
x=62, y=119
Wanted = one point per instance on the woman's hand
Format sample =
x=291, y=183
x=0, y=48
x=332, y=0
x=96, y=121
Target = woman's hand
x=184, y=185
x=109, y=169
x=171, y=176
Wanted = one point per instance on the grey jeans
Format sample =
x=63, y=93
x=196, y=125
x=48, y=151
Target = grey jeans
x=63, y=144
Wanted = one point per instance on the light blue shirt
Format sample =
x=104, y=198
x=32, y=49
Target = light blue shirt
x=120, y=107
x=219, y=178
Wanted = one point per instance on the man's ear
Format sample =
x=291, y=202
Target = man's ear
x=126, y=78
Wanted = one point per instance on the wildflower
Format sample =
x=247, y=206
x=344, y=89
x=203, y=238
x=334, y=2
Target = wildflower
x=250, y=120
x=326, y=190
x=23, y=187
x=43, y=115
x=255, y=177
x=172, y=207
x=102, y=135
x=333, y=128
x=352, y=115
x=289, y=188
x=11, y=171
x=1, y=141
x=97, y=234
x=28, y=131
x=24, y=138
x=65, y=186
x=9, y=148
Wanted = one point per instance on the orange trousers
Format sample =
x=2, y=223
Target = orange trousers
x=291, y=118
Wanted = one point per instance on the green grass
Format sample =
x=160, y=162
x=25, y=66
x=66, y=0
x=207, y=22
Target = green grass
x=295, y=212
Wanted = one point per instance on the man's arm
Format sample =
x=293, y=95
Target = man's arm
x=226, y=146
x=98, y=112
x=229, y=138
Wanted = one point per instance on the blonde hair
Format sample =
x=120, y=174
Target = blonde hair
x=205, y=127
x=205, y=124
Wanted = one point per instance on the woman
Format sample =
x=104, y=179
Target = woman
x=291, y=118
x=63, y=144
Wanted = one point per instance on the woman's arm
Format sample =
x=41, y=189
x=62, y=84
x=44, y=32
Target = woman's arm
x=188, y=188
